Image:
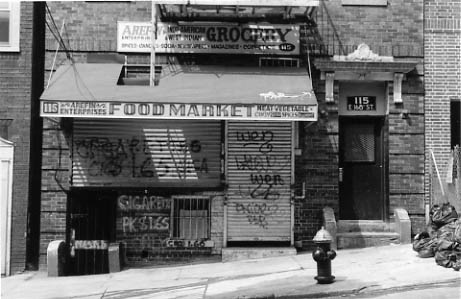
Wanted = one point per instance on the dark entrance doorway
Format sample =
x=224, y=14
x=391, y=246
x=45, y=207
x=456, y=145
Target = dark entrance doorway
x=361, y=172
x=92, y=227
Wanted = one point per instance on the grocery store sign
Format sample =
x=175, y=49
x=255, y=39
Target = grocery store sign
x=267, y=111
x=223, y=38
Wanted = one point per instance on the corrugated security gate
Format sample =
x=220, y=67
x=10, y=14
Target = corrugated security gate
x=143, y=153
x=259, y=178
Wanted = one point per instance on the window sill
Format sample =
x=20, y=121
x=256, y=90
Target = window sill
x=9, y=49
x=364, y=2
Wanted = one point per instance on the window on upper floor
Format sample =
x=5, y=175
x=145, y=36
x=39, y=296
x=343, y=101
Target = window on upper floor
x=455, y=122
x=9, y=26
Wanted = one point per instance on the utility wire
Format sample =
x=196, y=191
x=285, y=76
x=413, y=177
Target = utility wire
x=56, y=33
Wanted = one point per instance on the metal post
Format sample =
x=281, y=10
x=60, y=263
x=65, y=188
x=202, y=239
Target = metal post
x=224, y=243
x=152, y=48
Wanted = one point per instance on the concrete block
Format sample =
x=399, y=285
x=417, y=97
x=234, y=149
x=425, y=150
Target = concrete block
x=402, y=225
x=115, y=260
x=247, y=253
x=366, y=239
x=56, y=258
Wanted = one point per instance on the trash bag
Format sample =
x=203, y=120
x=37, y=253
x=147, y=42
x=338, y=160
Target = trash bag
x=425, y=245
x=447, y=232
x=448, y=259
x=442, y=215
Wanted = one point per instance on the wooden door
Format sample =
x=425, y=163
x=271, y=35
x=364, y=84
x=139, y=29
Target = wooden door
x=361, y=169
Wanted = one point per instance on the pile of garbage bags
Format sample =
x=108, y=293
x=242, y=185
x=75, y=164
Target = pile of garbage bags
x=442, y=239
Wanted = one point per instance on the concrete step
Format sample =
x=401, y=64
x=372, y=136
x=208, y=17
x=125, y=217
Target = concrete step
x=246, y=253
x=348, y=226
x=366, y=239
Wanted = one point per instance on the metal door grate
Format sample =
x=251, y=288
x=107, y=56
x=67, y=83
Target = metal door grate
x=359, y=143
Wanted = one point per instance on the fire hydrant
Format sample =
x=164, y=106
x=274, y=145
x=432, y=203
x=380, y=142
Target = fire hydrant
x=323, y=256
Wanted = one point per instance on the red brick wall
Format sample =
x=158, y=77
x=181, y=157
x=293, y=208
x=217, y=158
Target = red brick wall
x=406, y=151
x=393, y=30
x=56, y=165
x=15, y=96
x=92, y=26
x=442, y=40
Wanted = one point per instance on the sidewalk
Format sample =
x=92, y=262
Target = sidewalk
x=357, y=270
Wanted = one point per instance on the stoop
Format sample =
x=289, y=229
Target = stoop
x=365, y=233
x=246, y=253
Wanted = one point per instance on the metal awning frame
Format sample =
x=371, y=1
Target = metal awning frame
x=242, y=2
x=235, y=10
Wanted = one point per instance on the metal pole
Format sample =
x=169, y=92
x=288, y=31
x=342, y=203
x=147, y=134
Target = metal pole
x=152, y=48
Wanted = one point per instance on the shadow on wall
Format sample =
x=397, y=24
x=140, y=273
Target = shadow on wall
x=317, y=166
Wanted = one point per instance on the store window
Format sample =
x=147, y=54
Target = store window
x=9, y=26
x=191, y=217
x=455, y=116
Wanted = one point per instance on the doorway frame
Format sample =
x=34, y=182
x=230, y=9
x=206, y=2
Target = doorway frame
x=7, y=154
x=383, y=122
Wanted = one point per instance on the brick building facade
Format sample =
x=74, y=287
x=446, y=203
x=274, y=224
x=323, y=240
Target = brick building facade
x=321, y=162
x=442, y=64
x=20, y=123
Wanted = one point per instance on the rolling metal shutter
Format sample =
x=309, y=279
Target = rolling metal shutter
x=146, y=153
x=259, y=178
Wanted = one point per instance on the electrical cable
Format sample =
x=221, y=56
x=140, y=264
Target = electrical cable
x=57, y=36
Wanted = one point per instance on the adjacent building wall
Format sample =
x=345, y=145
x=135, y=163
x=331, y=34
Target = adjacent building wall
x=442, y=64
x=18, y=118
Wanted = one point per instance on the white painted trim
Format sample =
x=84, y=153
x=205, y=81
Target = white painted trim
x=7, y=155
x=329, y=87
x=5, y=143
x=398, y=77
x=361, y=76
x=15, y=28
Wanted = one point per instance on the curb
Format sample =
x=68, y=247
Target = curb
x=361, y=291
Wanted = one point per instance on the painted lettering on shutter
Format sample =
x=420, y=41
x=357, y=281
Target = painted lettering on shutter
x=140, y=153
x=259, y=176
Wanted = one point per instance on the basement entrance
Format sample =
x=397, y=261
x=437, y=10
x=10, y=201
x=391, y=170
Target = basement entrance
x=92, y=217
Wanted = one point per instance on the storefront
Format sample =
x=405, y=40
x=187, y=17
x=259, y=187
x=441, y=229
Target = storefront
x=184, y=168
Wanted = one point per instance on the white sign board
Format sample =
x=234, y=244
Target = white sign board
x=135, y=37
x=280, y=112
